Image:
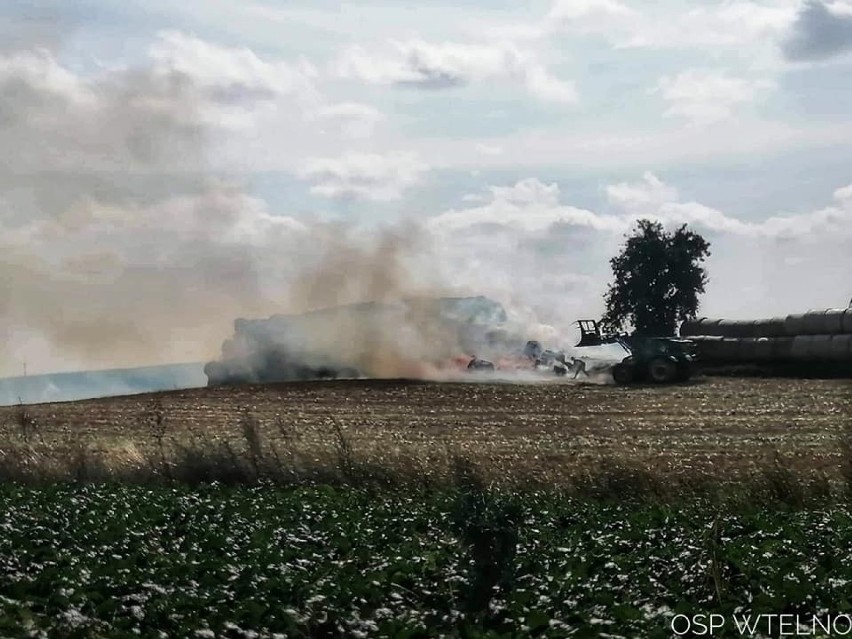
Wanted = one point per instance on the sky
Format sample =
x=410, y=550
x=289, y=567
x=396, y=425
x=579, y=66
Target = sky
x=169, y=166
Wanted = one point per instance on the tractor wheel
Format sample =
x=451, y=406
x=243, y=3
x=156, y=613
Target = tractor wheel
x=622, y=374
x=662, y=370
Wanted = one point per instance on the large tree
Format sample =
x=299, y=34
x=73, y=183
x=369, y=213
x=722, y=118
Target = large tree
x=657, y=280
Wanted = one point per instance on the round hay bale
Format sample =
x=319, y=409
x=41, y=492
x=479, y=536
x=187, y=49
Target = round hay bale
x=814, y=323
x=782, y=349
x=707, y=347
x=761, y=328
x=743, y=328
x=763, y=349
x=756, y=328
x=841, y=347
x=821, y=347
x=847, y=321
x=834, y=321
x=748, y=349
x=771, y=328
x=727, y=328
x=710, y=327
x=692, y=327
x=802, y=347
x=729, y=349
x=794, y=325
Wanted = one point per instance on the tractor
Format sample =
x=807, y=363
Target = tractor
x=660, y=360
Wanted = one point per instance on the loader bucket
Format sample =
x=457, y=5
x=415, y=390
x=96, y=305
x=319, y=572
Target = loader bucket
x=590, y=334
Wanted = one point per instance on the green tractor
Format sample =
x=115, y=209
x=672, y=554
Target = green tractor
x=661, y=360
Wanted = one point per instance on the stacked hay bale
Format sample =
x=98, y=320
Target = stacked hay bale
x=344, y=341
x=816, y=337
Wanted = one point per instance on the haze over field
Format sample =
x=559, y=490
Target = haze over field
x=172, y=166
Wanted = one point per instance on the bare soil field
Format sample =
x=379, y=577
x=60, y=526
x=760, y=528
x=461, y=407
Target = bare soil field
x=538, y=431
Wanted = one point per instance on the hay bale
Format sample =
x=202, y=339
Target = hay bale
x=802, y=347
x=748, y=349
x=755, y=329
x=692, y=327
x=708, y=347
x=821, y=347
x=729, y=349
x=763, y=349
x=710, y=327
x=814, y=323
x=728, y=328
x=782, y=349
x=794, y=325
x=841, y=348
x=847, y=321
x=834, y=321
x=773, y=327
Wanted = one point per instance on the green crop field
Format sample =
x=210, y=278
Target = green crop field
x=98, y=561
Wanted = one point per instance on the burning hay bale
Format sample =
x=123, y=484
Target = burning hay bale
x=376, y=339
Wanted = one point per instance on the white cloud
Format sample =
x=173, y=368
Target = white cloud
x=569, y=10
x=727, y=24
x=653, y=198
x=356, y=120
x=364, y=175
x=488, y=149
x=704, y=96
x=732, y=24
x=444, y=65
x=529, y=205
x=641, y=198
x=844, y=194
x=234, y=86
x=229, y=74
x=523, y=244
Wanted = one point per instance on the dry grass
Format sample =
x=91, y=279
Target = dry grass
x=789, y=439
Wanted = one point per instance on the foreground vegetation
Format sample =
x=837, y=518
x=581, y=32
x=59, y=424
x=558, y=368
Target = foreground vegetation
x=87, y=560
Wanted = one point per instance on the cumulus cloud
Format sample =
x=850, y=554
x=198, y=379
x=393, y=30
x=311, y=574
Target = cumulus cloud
x=531, y=205
x=522, y=243
x=652, y=198
x=229, y=74
x=704, y=96
x=234, y=85
x=366, y=176
x=427, y=65
x=528, y=205
x=355, y=120
x=727, y=24
x=821, y=30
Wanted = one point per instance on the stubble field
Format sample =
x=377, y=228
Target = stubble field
x=545, y=431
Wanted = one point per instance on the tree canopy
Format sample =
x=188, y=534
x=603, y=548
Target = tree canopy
x=658, y=277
